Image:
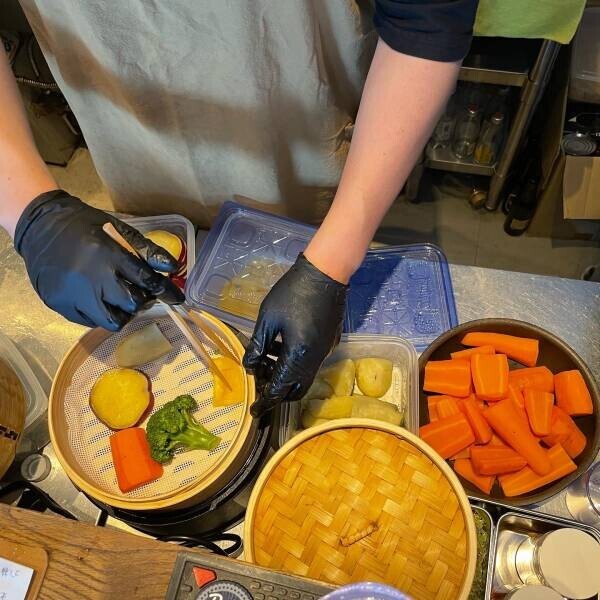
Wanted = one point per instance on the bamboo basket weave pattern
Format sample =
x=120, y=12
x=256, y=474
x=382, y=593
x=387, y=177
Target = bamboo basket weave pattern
x=359, y=504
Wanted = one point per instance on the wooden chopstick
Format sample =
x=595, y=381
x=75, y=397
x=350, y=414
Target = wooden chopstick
x=207, y=329
x=177, y=318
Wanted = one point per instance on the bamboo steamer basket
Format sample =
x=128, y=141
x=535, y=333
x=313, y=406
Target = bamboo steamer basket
x=93, y=473
x=12, y=415
x=361, y=500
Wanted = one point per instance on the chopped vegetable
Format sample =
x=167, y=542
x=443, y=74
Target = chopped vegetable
x=142, y=346
x=496, y=441
x=374, y=376
x=515, y=393
x=234, y=373
x=490, y=376
x=448, y=436
x=168, y=241
x=538, y=406
x=466, y=354
x=465, y=469
x=504, y=420
x=373, y=408
x=308, y=420
x=481, y=428
x=318, y=389
x=452, y=377
x=173, y=426
x=447, y=406
x=537, y=378
x=521, y=412
x=131, y=458
x=565, y=432
x=120, y=397
x=523, y=350
x=432, y=407
x=495, y=460
x=526, y=480
x=464, y=453
x=340, y=376
x=572, y=394
x=336, y=407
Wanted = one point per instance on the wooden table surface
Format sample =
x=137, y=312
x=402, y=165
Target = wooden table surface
x=90, y=563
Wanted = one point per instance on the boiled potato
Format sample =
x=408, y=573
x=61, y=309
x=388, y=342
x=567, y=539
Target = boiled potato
x=142, y=346
x=319, y=389
x=308, y=420
x=371, y=408
x=120, y=397
x=336, y=407
x=234, y=374
x=374, y=376
x=340, y=376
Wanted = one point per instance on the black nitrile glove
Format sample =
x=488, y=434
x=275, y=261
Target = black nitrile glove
x=306, y=307
x=81, y=273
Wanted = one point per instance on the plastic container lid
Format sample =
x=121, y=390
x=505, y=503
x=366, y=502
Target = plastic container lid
x=366, y=591
x=404, y=291
x=35, y=398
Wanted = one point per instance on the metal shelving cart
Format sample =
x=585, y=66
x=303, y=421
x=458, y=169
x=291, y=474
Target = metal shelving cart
x=520, y=63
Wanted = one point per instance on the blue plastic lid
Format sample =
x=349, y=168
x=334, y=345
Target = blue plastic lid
x=403, y=291
x=366, y=591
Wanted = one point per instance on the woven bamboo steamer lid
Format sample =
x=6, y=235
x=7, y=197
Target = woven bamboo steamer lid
x=12, y=415
x=361, y=500
x=210, y=480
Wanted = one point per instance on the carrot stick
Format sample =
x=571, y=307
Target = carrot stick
x=490, y=376
x=452, y=377
x=565, y=432
x=131, y=458
x=572, y=395
x=515, y=393
x=466, y=354
x=447, y=407
x=496, y=441
x=480, y=427
x=538, y=406
x=504, y=420
x=496, y=460
x=538, y=378
x=464, y=468
x=432, y=408
x=448, y=436
x=464, y=453
x=526, y=479
x=523, y=350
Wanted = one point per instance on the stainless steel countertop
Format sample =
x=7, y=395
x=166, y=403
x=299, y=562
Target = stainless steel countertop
x=568, y=308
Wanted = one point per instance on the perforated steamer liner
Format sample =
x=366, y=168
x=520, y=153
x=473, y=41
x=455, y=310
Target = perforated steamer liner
x=361, y=500
x=81, y=441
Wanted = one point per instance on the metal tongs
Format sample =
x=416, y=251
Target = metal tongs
x=181, y=315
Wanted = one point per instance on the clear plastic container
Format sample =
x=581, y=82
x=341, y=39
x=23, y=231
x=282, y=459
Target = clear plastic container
x=404, y=391
x=584, y=82
x=35, y=398
x=176, y=224
x=583, y=497
x=366, y=591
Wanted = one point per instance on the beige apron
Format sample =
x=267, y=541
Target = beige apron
x=187, y=103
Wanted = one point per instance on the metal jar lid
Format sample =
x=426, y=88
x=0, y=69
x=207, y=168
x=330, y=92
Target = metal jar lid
x=578, y=144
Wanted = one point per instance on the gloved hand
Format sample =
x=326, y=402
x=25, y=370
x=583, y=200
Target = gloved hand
x=307, y=308
x=81, y=273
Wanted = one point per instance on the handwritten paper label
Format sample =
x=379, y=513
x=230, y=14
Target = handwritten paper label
x=14, y=580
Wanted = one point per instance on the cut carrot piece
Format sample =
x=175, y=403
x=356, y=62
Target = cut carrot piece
x=496, y=460
x=523, y=350
x=496, y=441
x=526, y=479
x=515, y=393
x=452, y=377
x=538, y=378
x=480, y=427
x=572, y=395
x=465, y=469
x=448, y=436
x=490, y=376
x=538, y=406
x=466, y=354
x=565, y=432
x=432, y=408
x=447, y=407
x=131, y=457
x=464, y=453
x=505, y=421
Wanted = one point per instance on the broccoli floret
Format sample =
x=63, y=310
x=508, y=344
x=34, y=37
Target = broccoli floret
x=173, y=426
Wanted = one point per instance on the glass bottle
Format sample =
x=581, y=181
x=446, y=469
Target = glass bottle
x=442, y=134
x=467, y=132
x=488, y=144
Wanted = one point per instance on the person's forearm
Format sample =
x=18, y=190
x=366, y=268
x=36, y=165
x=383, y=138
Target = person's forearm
x=401, y=103
x=23, y=174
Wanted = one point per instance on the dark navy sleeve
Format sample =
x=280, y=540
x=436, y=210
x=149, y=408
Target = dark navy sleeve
x=435, y=29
